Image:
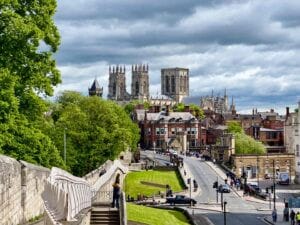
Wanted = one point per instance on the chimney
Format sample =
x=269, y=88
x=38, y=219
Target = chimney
x=287, y=113
x=272, y=110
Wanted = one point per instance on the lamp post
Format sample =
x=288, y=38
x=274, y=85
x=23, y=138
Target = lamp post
x=224, y=211
x=274, y=197
x=65, y=146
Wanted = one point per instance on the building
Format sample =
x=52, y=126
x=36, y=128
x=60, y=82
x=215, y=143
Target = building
x=117, y=84
x=161, y=130
x=175, y=83
x=261, y=166
x=140, y=82
x=292, y=137
x=95, y=89
x=218, y=104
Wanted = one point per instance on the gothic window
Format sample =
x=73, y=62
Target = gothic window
x=167, y=84
x=173, y=84
x=136, y=88
x=114, y=89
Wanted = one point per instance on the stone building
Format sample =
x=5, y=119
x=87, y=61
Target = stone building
x=292, y=137
x=140, y=82
x=218, y=104
x=175, y=83
x=95, y=89
x=261, y=166
x=117, y=84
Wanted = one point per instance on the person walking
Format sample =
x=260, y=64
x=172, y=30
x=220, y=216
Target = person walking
x=298, y=218
x=274, y=215
x=116, y=192
x=292, y=217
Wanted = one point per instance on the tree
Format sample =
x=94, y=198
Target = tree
x=244, y=144
x=179, y=107
x=197, y=111
x=96, y=129
x=28, y=38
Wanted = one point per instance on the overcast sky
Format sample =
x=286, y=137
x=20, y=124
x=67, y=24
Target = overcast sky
x=249, y=47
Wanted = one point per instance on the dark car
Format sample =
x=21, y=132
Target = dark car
x=224, y=188
x=181, y=199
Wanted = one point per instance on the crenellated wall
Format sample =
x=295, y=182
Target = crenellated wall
x=21, y=185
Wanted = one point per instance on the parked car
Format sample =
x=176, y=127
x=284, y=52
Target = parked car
x=181, y=199
x=224, y=188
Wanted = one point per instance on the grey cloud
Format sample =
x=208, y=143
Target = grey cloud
x=249, y=47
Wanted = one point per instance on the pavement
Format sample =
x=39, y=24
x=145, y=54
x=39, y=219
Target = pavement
x=267, y=219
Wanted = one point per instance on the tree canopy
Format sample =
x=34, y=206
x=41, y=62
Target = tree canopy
x=244, y=144
x=27, y=71
x=96, y=130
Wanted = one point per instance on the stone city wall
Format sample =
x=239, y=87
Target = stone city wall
x=21, y=185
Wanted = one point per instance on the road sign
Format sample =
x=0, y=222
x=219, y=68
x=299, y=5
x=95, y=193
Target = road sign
x=294, y=202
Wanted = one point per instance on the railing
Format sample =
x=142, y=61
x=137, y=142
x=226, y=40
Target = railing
x=65, y=195
x=102, y=196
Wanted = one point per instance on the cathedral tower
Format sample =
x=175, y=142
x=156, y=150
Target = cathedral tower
x=117, y=84
x=140, y=82
x=175, y=83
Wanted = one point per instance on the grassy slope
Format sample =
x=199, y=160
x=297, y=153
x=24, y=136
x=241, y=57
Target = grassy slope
x=154, y=216
x=133, y=187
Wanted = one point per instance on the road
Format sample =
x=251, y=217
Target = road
x=239, y=211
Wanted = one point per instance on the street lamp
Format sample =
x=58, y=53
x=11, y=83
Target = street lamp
x=224, y=212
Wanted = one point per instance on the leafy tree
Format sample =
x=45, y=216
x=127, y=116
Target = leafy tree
x=24, y=27
x=235, y=127
x=179, y=107
x=244, y=144
x=197, y=111
x=28, y=38
x=129, y=107
x=96, y=130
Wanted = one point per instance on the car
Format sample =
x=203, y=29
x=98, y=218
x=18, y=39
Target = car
x=181, y=199
x=224, y=188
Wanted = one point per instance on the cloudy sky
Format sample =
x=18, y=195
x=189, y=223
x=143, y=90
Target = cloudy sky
x=249, y=47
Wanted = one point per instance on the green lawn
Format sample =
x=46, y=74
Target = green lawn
x=133, y=185
x=152, y=216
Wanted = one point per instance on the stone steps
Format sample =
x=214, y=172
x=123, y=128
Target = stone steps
x=104, y=215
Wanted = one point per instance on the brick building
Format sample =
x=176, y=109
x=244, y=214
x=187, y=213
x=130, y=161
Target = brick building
x=161, y=130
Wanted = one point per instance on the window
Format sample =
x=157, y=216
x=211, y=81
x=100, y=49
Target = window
x=188, y=130
x=179, y=129
x=149, y=130
x=157, y=131
x=173, y=131
x=162, y=130
x=194, y=130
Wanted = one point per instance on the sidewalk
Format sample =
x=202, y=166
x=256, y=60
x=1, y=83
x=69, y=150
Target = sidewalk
x=240, y=193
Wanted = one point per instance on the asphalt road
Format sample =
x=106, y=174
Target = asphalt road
x=239, y=211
